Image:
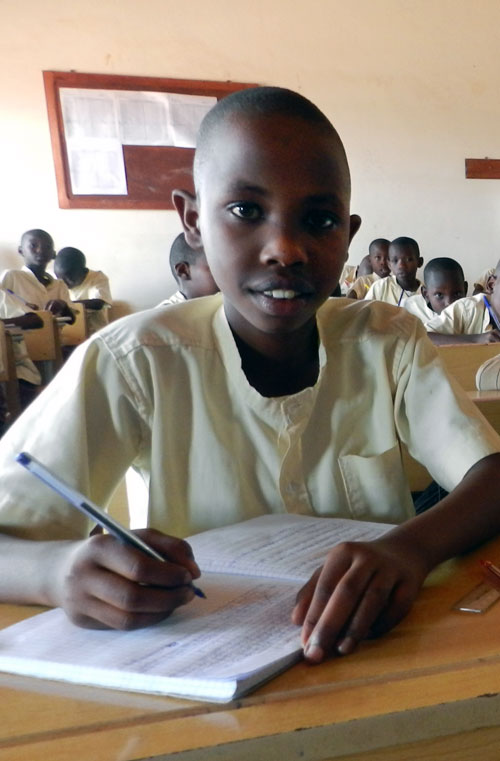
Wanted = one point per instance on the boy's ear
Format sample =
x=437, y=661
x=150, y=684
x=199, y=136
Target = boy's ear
x=489, y=284
x=187, y=208
x=420, y=261
x=423, y=291
x=355, y=224
x=182, y=270
x=466, y=287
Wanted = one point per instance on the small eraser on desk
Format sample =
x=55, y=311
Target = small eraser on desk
x=478, y=600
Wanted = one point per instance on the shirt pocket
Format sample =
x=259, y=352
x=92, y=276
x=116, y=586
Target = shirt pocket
x=376, y=487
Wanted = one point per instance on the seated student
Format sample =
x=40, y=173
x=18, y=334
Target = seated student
x=473, y=319
x=481, y=284
x=378, y=257
x=191, y=272
x=268, y=397
x=347, y=277
x=404, y=261
x=87, y=287
x=32, y=284
x=444, y=283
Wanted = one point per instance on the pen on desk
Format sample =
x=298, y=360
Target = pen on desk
x=492, y=570
x=89, y=508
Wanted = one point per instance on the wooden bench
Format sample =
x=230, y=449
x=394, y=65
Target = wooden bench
x=8, y=375
x=464, y=360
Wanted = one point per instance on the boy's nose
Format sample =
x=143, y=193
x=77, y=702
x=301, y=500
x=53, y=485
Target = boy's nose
x=285, y=249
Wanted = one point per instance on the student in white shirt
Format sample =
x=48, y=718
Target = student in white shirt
x=191, y=272
x=268, y=398
x=444, y=283
x=404, y=261
x=378, y=256
x=87, y=287
x=474, y=319
x=32, y=284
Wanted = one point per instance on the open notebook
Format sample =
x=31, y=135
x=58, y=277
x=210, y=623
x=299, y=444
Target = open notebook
x=214, y=649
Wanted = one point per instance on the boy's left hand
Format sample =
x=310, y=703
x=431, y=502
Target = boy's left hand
x=362, y=590
x=57, y=307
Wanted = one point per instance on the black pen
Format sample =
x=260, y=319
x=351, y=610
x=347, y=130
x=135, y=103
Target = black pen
x=89, y=508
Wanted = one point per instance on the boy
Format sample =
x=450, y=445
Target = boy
x=191, y=272
x=444, y=283
x=474, y=319
x=88, y=287
x=252, y=401
x=32, y=284
x=404, y=261
x=378, y=257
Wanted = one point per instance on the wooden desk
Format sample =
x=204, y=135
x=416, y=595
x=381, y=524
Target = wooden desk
x=428, y=690
x=464, y=360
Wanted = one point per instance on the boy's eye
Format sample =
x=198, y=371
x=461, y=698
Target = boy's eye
x=246, y=210
x=320, y=219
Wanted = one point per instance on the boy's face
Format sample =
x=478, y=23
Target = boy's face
x=379, y=259
x=273, y=217
x=36, y=250
x=404, y=263
x=442, y=289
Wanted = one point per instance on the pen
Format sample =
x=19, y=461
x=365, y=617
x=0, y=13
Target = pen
x=20, y=298
x=89, y=508
x=492, y=570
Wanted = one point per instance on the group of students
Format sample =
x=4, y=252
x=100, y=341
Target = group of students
x=25, y=291
x=440, y=302
x=266, y=397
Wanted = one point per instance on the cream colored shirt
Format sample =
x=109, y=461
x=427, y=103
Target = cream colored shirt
x=417, y=306
x=467, y=316
x=388, y=289
x=362, y=284
x=176, y=298
x=94, y=286
x=25, y=368
x=26, y=286
x=164, y=390
x=347, y=277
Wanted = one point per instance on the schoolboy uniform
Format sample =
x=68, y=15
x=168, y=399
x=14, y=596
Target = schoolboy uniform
x=95, y=285
x=362, y=285
x=178, y=406
x=27, y=286
x=418, y=307
x=466, y=316
x=347, y=277
x=388, y=289
x=176, y=298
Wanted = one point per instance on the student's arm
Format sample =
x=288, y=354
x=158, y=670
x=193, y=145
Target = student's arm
x=28, y=321
x=442, y=339
x=366, y=588
x=99, y=582
x=92, y=303
x=60, y=308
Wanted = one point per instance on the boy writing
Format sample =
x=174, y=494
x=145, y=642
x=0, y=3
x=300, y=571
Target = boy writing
x=378, y=256
x=88, y=287
x=474, y=319
x=272, y=214
x=404, y=261
x=32, y=284
x=444, y=283
x=191, y=272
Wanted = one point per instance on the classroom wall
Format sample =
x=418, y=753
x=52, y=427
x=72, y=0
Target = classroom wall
x=412, y=86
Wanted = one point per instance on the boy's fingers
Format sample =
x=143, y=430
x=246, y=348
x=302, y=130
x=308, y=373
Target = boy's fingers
x=175, y=550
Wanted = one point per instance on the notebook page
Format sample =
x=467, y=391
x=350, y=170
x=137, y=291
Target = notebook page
x=281, y=546
x=241, y=627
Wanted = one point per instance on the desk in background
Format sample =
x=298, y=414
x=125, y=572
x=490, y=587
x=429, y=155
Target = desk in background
x=428, y=690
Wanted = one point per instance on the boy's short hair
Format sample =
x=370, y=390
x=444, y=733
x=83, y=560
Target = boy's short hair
x=70, y=257
x=38, y=233
x=261, y=101
x=378, y=242
x=404, y=242
x=442, y=264
x=181, y=251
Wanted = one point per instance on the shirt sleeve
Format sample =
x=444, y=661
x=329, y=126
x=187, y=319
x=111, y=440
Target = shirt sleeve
x=100, y=288
x=442, y=428
x=86, y=428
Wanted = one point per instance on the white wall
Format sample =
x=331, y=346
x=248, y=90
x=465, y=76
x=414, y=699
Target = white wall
x=412, y=86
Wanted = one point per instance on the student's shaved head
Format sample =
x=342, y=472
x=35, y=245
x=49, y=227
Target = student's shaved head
x=442, y=265
x=262, y=102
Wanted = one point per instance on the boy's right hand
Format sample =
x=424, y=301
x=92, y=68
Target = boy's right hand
x=104, y=583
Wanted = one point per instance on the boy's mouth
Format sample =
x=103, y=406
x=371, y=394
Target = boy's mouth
x=279, y=293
